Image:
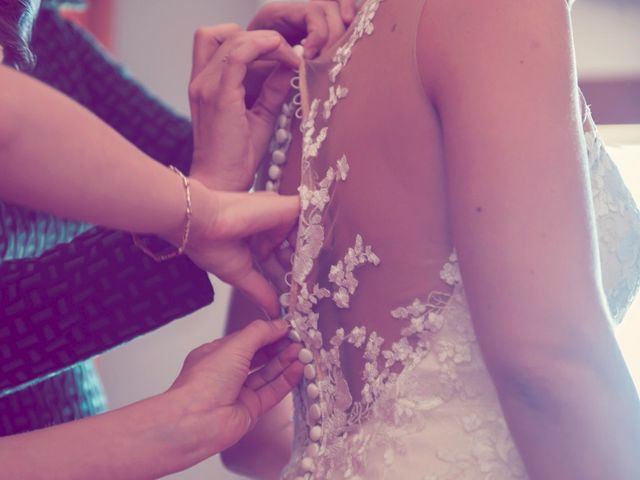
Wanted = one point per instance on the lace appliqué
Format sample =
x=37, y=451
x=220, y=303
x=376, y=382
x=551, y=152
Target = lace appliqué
x=363, y=26
x=333, y=437
x=618, y=226
x=336, y=93
x=341, y=275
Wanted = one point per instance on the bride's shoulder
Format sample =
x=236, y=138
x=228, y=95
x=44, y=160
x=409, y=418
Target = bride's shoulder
x=457, y=36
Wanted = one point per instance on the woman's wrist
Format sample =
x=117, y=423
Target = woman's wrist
x=166, y=433
x=149, y=439
x=197, y=223
x=195, y=432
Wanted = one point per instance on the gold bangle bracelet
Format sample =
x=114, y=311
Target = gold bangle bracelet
x=161, y=257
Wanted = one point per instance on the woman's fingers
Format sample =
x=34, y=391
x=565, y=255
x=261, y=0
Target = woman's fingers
x=348, y=9
x=244, y=214
x=259, y=290
x=274, y=367
x=317, y=30
x=265, y=354
x=258, y=334
x=324, y=26
x=273, y=392
x=206, y=42
x=249, y=47
x=223, y=73
x=259, y=401
x=274, y=93
x=317, y=23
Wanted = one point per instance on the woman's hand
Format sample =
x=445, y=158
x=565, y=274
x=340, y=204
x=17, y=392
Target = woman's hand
x=221, y=393
x=222, y=225
x=317, y=24
x=229, y=138
x=348, y=9
x=215, y=400
x=233, y=69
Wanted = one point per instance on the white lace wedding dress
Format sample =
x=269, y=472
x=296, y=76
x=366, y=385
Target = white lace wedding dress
x=397, y=388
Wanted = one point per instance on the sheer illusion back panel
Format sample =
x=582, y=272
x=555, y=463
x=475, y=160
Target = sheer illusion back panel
x=395, y=385
x=394, y=199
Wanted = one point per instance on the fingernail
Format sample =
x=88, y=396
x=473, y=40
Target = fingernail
x=273, y=36
x=348, y=14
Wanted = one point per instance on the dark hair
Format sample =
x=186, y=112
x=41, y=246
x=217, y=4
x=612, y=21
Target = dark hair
x=16, y=22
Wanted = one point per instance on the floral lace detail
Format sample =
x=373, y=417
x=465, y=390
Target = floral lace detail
x=341, y=275
x=396, y=405
x=618, y=226
x=311, y=142
x=331, y=417
x=363, y=26
x=335, y=94
x=430, y=383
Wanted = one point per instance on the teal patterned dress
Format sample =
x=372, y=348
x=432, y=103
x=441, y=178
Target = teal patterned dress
x=70, y=61
x=76, y=392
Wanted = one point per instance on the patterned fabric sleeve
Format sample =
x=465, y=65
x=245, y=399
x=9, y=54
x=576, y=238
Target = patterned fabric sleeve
x=83, y=298
x=71, y=61
x=96, y=292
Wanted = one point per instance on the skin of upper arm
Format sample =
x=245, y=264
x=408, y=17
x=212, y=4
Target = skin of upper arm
x=7, y=121
x=502, y=77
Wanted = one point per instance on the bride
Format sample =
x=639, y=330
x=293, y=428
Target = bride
x=464, y=247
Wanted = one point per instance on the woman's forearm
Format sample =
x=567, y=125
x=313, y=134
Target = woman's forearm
x=149, y=439
x=574, y=415
x=87, y=173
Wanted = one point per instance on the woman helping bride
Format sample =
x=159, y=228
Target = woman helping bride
x=464, y=246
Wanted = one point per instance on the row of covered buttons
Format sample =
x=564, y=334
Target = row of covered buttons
x=314, y=410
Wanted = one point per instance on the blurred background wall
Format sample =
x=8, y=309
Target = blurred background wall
x=154, y=40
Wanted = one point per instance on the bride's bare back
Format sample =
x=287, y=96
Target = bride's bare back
x=420, y=141
x=383, y=147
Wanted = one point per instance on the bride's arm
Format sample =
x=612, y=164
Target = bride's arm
x=502, y=77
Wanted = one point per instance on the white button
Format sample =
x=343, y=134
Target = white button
x=307, y=464
x=309, y=372
x=315, y=434
x=283, y=120
x=299, y=50
x=275, y=172
x=270, y=186
x=295, y=336
x=287, y=109
x=315, y=412
x=284, y=299
x=305, y=356
x=279, y=157
x=313, y=450
x=282, y=135
x=313, y=391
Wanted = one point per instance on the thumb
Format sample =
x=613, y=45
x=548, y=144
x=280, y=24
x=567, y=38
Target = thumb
x=257, y=335
x=244, y=214
x=274, y=92
x=348, y=10
x=262, y=292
